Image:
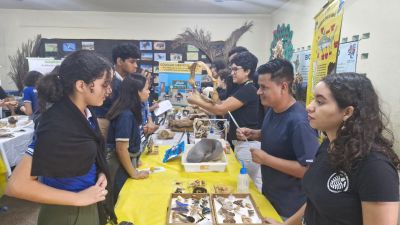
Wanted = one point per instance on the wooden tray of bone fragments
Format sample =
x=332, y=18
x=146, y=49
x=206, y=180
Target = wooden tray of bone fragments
x=242, y=206
x=174, y=219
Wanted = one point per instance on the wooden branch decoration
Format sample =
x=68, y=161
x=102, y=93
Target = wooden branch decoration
x=19, y=63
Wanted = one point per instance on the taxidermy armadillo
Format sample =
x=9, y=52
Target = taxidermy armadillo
x=205, y=150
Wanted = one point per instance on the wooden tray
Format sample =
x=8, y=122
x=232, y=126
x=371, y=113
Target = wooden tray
x=188, y=195
x=254, y=206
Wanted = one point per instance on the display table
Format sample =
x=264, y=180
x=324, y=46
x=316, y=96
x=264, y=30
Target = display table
x=13, y=148
x=145, y=201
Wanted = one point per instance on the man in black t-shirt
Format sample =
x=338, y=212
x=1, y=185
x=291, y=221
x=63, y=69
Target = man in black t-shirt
x=288, y=143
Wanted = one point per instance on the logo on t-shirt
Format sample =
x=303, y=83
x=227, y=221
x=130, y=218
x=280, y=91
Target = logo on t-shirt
x=338, y=182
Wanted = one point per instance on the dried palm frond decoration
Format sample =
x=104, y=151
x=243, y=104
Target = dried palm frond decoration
x=202, y=40
x=19, y=63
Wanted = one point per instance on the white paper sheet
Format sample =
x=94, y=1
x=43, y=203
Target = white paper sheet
x=163, y=107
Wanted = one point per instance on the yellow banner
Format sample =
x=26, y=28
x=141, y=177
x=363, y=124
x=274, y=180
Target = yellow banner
x=171, y=67
x=324, y=50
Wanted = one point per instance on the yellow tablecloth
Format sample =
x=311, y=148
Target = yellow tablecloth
x=145, y=202
x=3, y=176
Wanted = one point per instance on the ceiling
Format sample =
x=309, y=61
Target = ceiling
x=151, y=6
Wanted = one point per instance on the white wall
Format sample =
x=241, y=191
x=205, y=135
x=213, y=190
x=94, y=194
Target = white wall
x=382, y=20
x=17, y=26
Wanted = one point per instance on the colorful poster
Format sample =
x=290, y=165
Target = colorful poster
x=147, y=56
x=171, y=67
x=192, y=48
x=328, y=24
x=43, y=65
x=192, y=56
x=160, y=57
x=347, y=57
x=173, y=82
x=155, y=70
x=301, y=63
x=175, y=57
x=50, y=47
x=69, y=47
x=146, y=45
x=284, y=34
x=159, y=45
x=147, y=67
x=88, y=45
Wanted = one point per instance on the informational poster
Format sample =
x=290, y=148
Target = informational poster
x=192, y=48
x=43, y=65
x=173, y=82
x=160, y=57
x=347, y=57
x=172, y=67
x=51, y=47
x=301, y=64
x=192, y=56
x=328, y=25
x=159, y=45
x=69, y=47
x=147, y=56
x=146, y=45
x=175, y=57
x=88, y=45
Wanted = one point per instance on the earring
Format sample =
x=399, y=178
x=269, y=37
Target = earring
x=343, y=126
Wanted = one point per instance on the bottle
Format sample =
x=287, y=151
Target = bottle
x=243, y=180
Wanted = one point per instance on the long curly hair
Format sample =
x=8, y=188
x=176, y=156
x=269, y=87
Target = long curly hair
x=365, y=131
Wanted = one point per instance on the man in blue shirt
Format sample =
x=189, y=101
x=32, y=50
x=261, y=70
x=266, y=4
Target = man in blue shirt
x=288, y=143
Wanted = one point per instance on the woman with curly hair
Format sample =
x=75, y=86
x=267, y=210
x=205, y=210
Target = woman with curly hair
x=354, y=178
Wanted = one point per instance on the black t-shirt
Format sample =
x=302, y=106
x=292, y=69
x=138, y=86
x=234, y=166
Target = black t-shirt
x=335, y=197
x=3, y=94
x=287, y=135
x=231, y=87
x=247, y=115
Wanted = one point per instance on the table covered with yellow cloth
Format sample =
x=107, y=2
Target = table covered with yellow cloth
x=145, y=202
x=3, y=176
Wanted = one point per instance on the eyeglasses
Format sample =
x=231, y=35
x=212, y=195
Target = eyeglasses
x=235, y=68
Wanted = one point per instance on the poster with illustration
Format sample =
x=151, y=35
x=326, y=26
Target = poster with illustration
x=159, y=45
x=146, y=45
x=147, y=67
x=69, y=47
x=175, y=57
x=147, y=56
x=192, y=48
x=88, y=45
x=325, y=45
x=192, y=56
x=160, y=57
x=50, y=47
x=347, y=57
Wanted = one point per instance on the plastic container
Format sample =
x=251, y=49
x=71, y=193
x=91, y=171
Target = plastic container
x=243, y=181
x=203, y=166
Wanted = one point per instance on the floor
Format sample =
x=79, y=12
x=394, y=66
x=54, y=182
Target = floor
x=19, y=212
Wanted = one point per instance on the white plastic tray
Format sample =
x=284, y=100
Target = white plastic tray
x=203, y=166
